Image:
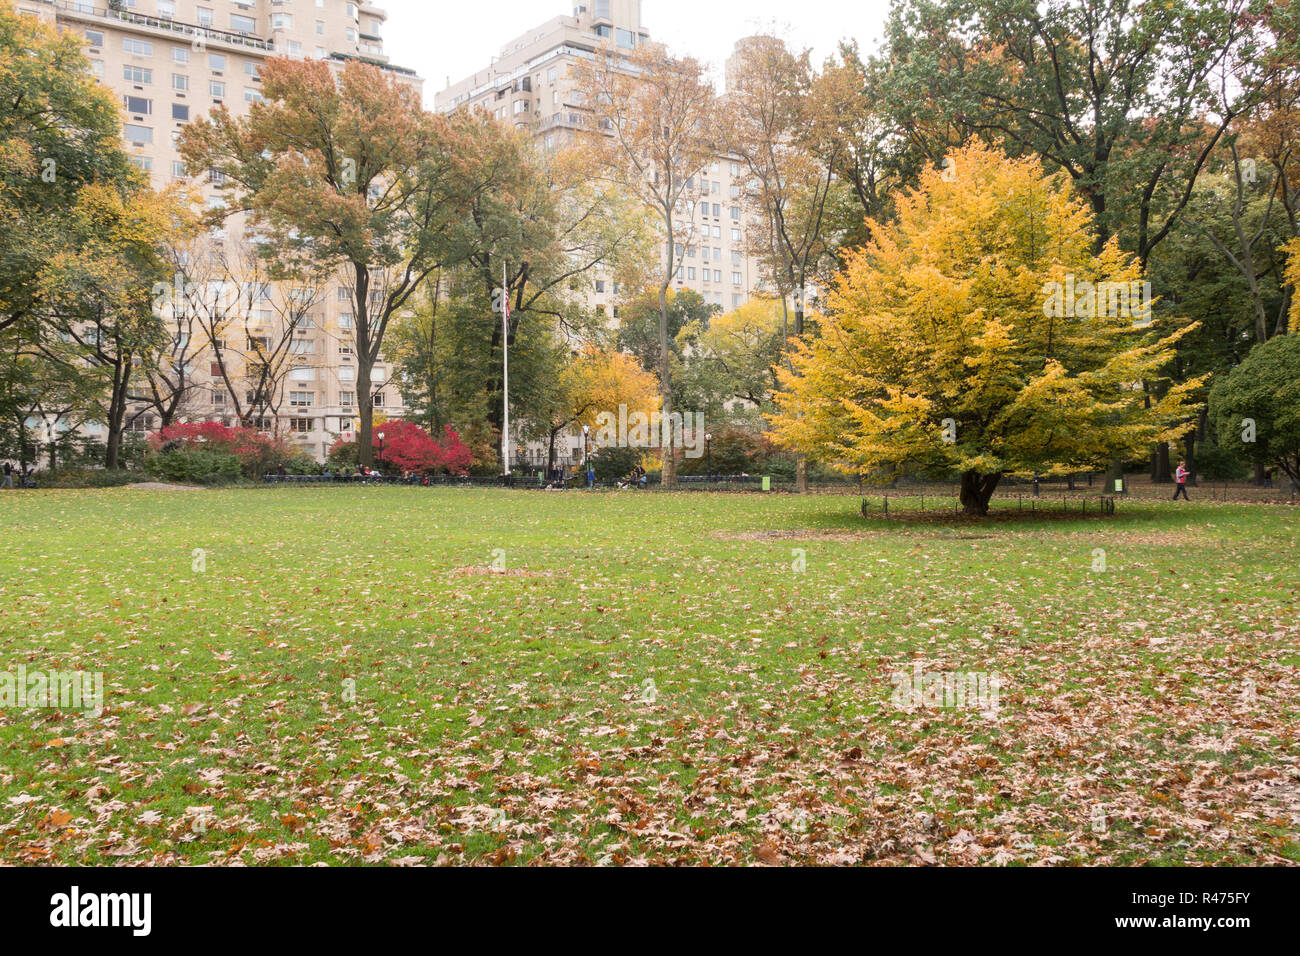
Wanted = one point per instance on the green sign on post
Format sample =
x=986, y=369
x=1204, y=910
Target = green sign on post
x=1119, y=486
x=767, y=482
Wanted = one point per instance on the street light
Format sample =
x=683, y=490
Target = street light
x=586, y=455
x=708, y=456
x=380, y=436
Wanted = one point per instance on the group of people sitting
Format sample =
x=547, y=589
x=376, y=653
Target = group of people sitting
x=635, y=480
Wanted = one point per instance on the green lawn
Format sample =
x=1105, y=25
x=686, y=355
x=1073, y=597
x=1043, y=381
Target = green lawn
x=651, y=678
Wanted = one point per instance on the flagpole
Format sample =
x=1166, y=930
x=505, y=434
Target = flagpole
x=505, y=371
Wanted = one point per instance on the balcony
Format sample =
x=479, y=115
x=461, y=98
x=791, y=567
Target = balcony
x=401, y=70
x=563, y=121
x=162, y=25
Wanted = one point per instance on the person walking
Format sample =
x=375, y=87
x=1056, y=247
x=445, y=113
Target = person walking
x=9, y=476
x=1180, y=480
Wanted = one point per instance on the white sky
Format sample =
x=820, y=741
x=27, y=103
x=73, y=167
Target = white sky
x=441, y=38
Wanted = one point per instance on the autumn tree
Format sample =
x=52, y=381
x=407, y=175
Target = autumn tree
x=535, y=242
x=733, y=357
x=783, y=122
x=99, y=288
x=78, y=239
x=247, y=318
x=348, y=173
x=651, y=131
x=1130, y=101
x=596, y=380
x=974, y=334
x=60, y=132
x=637, y=327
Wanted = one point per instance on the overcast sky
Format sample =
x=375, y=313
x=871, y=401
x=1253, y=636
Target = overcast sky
x=441, y=38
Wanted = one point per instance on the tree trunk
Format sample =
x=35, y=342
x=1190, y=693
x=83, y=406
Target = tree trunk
x=550, y=454
x=1160, y=472
x=669, y=475
x=1194, y=440
x=976, y=491
x=1114, y=472
x=365, y=444
x=801, y=465
x=365, y=365
x=117, y=413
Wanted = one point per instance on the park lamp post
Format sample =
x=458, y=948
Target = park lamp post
x=586, y=455
x=708, y=456
x=380, y=436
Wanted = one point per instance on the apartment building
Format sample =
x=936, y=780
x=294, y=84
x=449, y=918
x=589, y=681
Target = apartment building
x=532, y=85
x=171, y=61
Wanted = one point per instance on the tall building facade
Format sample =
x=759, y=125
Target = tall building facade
x=171, y=61
x=532, y=84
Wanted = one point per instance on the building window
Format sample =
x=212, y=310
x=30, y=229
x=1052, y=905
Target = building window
x=137, y=47
x=138, y=105
x=138, y=75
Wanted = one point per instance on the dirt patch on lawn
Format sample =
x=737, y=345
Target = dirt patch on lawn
x=161, y=486
x=798, y=535
x=480, y=572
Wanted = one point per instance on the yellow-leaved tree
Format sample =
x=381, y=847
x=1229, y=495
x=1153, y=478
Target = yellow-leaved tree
x=597, y=381
x=979, y=333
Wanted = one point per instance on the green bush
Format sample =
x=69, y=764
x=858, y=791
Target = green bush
x=1256, y=408
x=303, y=464
x=88, y=478
x=195, y=466
x=1217, y=463
x=612, y=463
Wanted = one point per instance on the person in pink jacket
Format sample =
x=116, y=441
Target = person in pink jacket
x=1180, y=480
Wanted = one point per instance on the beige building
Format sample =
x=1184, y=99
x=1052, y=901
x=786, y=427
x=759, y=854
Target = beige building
x=171, y=61
x=531, y=84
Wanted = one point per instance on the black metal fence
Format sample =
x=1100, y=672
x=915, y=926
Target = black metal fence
x=1077, y=492
x=939, y=504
